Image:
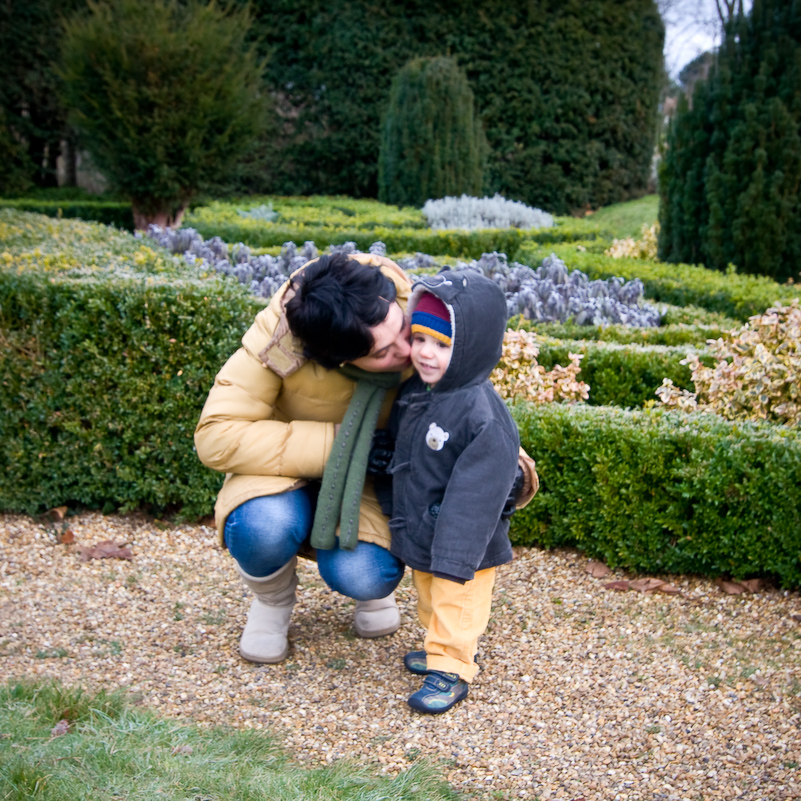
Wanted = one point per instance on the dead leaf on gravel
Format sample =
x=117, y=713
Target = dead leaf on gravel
x=108, y=549
x=56, y=515
x=643, y=585
x=597, y=569
x=646, y=584
x=739, y=587
x=62, y=727
x=753, y=585
x=66, y=537
x=730, y=587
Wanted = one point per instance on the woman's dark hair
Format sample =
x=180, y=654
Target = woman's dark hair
x=337, y=301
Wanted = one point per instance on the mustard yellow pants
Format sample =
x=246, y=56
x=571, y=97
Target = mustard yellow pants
x=455, y=616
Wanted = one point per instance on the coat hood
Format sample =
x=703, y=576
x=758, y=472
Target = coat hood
x=477, y=307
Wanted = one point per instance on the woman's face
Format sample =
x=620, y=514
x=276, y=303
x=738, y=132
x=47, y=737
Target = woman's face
x=391, y=351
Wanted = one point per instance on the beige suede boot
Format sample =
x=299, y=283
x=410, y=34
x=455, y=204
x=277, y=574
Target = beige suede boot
x=265, y=636
x=376, y=618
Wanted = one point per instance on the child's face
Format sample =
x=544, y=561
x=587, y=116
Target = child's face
x=430, y=357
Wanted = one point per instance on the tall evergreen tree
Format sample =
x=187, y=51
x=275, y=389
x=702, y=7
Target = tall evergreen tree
x=167, y=95
x=432, y=144
x=731, y=176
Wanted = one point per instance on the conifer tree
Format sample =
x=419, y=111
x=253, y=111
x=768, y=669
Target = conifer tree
x=433, y=144
x=167, y=95
x=732, y=172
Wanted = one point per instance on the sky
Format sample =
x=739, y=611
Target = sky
x=691, y=28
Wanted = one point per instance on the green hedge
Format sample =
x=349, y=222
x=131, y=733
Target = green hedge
x=327, y=211
x=400, y=230
x=738, y=296
x=620, y=375
x=102, y=381
x=115, y=213
x=671, y=335
x=663, y=492
x=695, y=316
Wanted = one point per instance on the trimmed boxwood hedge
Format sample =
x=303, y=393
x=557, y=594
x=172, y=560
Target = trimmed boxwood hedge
x=465, y=244
x=102, y=382
x=108, y=212
x=670, y=335
x=664, y=492
x=618, y=374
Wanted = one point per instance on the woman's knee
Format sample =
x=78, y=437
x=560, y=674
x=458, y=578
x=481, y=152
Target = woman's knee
x=365, y=573
x=264, y=533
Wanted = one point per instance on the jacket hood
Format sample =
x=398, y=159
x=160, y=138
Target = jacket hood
x=477, y=307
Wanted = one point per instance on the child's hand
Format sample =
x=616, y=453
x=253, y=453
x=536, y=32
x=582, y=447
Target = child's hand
x=511, y=502
x=381, y=452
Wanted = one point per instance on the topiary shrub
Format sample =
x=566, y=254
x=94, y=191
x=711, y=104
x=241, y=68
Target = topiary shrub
x=108, y=348
x=432, y=143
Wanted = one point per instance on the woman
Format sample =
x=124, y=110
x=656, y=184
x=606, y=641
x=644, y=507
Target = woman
x=270, y=423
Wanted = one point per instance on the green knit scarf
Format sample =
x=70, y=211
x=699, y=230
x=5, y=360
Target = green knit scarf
x=343, y=478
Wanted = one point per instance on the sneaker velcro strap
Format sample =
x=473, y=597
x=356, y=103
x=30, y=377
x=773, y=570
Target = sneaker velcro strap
x=442, y=682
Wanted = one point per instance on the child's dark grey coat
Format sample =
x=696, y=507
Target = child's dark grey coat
x=456, y=444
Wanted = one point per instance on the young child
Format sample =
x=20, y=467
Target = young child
x=455, y=462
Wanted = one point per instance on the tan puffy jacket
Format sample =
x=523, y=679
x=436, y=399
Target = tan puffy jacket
x=268, y=422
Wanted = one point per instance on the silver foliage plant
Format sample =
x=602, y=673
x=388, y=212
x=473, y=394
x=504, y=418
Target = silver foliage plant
x=470, y=213
x=263, y=213
x=548, y=293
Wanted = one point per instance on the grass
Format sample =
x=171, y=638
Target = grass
x=114, y=750
x=627, y=219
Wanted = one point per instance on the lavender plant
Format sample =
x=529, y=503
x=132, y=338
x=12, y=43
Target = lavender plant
x=262, y=274
x=548, y=293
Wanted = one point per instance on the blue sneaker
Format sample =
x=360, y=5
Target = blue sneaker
x=415, y=662
x=440, y=691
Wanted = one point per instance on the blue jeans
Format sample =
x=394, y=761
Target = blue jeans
x=264, y=533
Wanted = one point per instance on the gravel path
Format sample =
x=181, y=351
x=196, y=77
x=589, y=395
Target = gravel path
x=586, y=692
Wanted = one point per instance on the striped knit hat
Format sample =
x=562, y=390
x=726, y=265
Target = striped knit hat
x=431, y=316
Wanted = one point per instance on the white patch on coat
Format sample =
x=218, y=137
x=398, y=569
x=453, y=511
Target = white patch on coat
x=436, y=437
